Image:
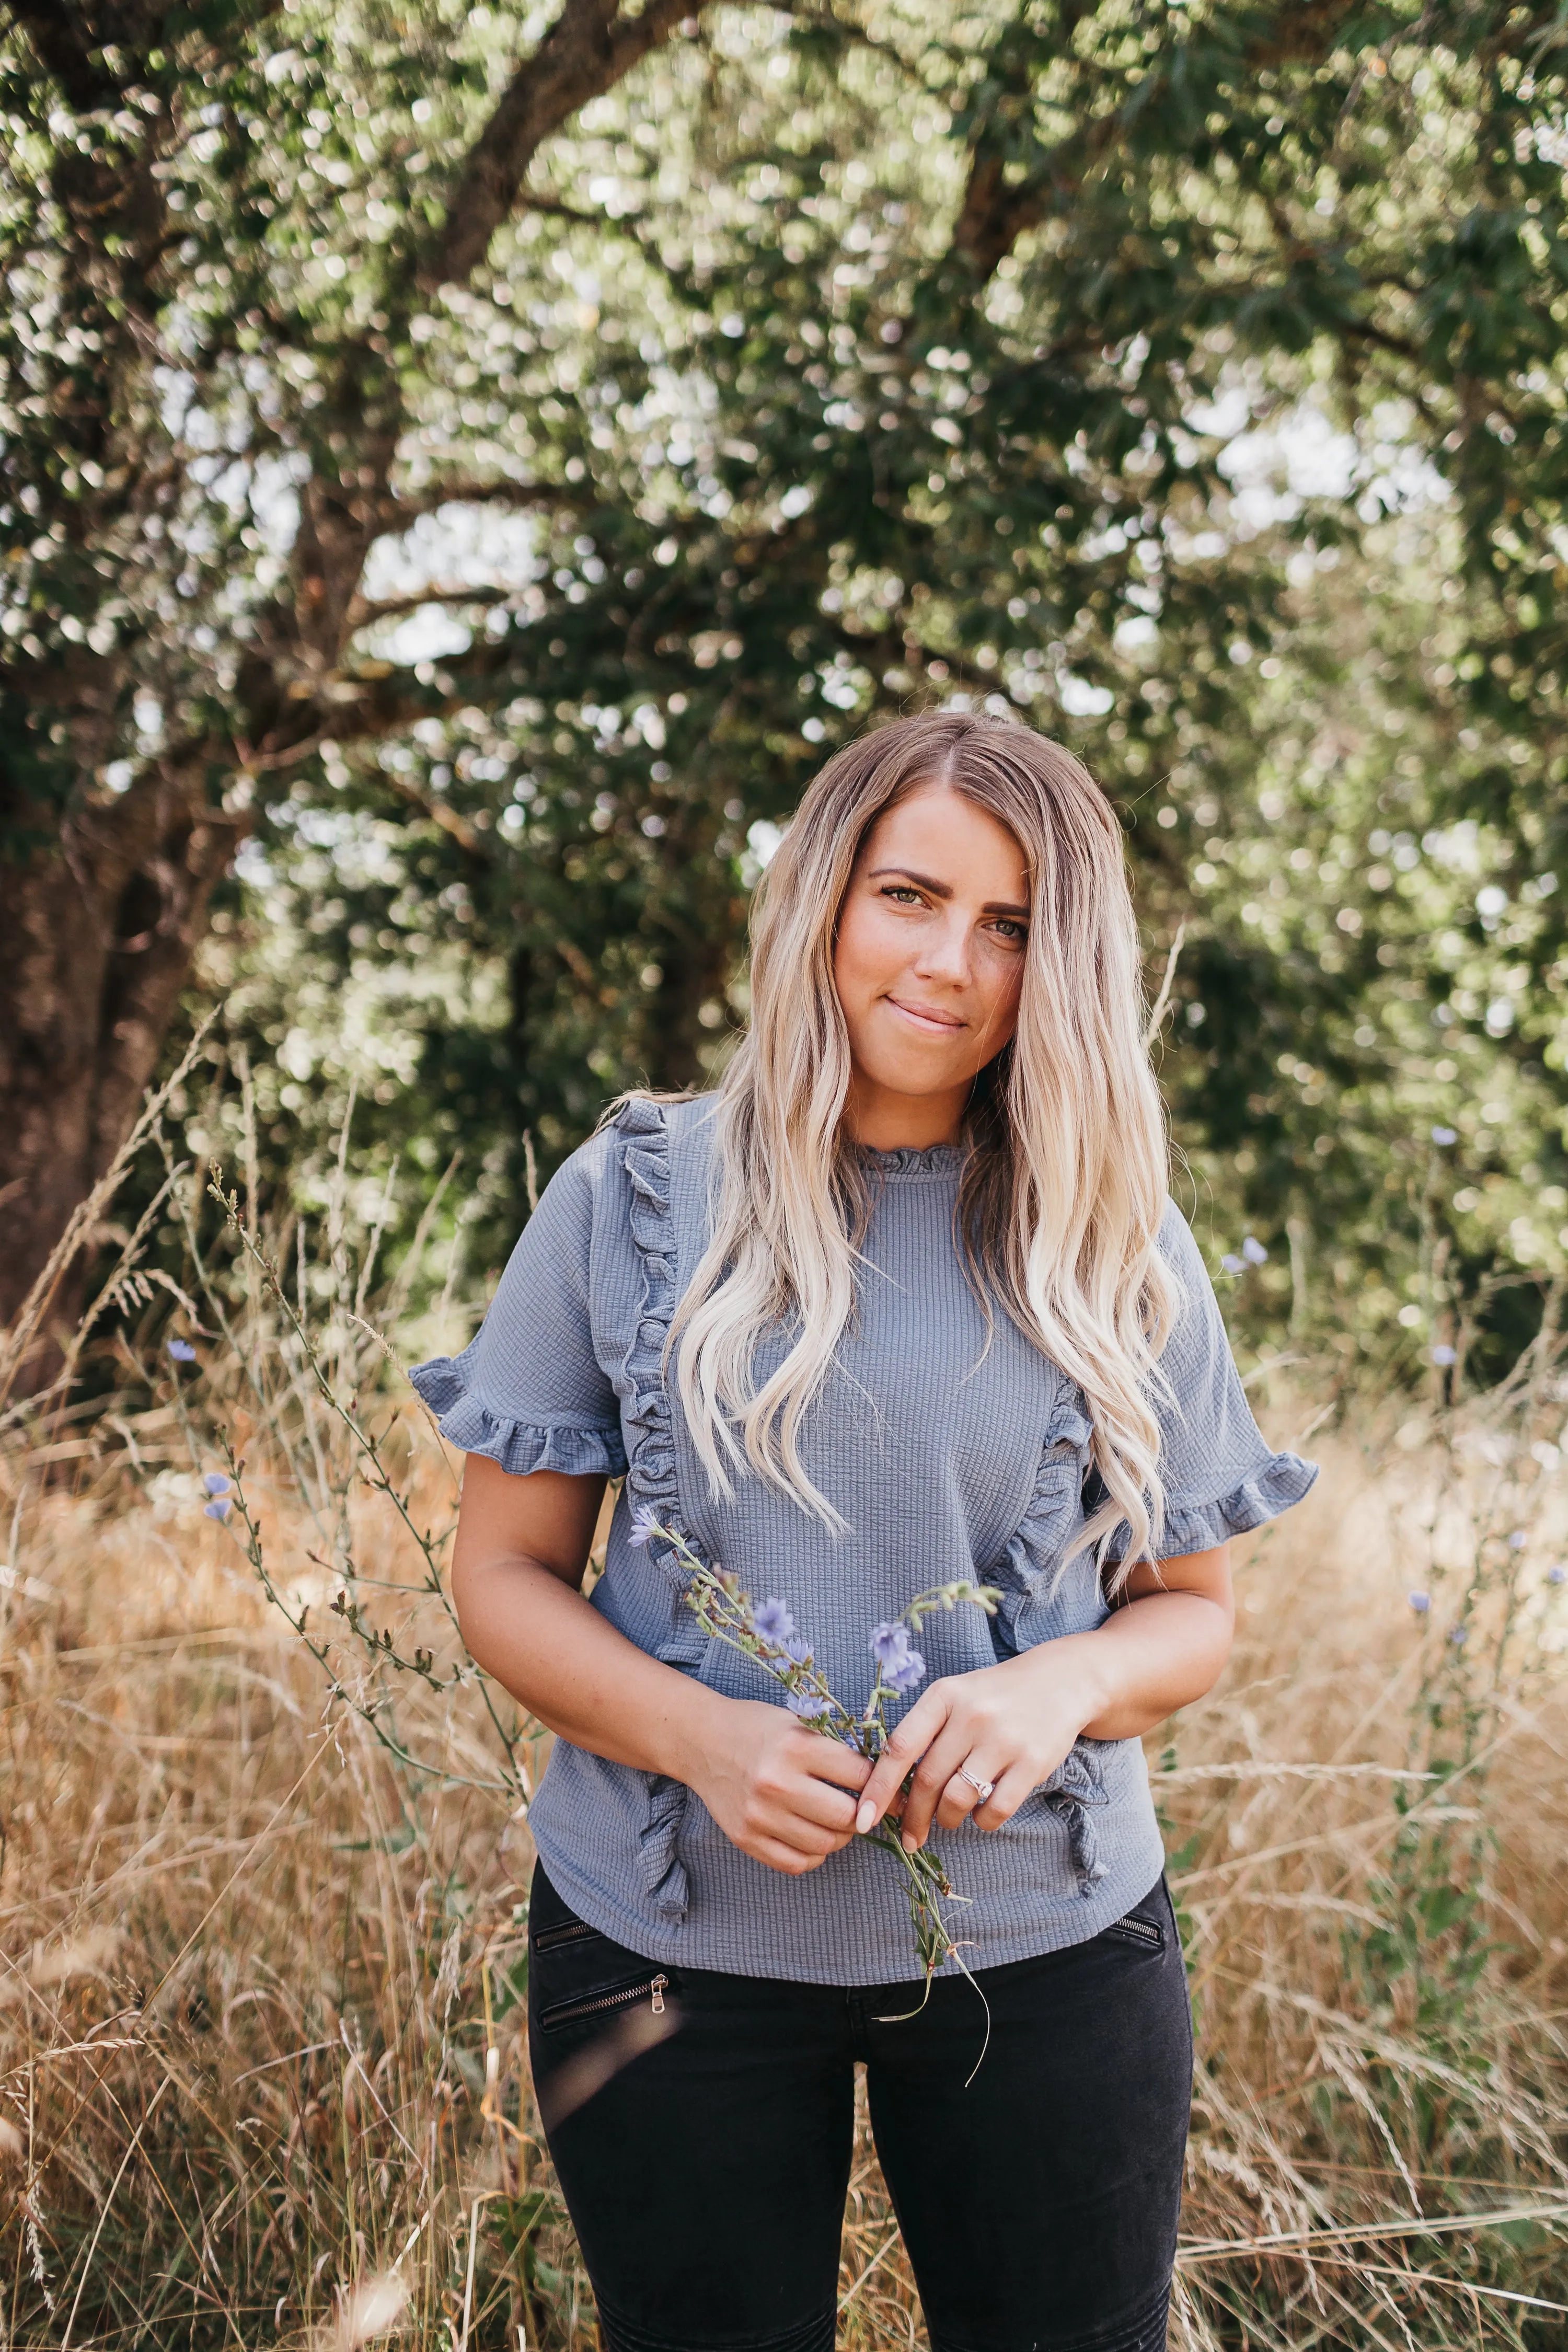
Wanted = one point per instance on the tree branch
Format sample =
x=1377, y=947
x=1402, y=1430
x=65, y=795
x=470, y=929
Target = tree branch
x=996, y=212
x=586, y=51
x=396, y=513
x=362, y=612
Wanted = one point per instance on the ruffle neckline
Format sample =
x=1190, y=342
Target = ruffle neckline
x=908, y=1165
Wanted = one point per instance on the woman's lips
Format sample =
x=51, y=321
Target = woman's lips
x=935, y=1024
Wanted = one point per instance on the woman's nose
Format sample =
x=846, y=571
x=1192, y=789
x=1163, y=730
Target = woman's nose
x=945, y=953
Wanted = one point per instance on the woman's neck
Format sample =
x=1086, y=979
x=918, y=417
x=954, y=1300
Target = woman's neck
x=882, y=1120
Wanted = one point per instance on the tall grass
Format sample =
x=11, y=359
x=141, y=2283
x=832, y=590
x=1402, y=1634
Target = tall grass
x=265, y=1865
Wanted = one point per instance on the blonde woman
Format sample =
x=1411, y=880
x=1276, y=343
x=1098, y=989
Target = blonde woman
x=904, y=1301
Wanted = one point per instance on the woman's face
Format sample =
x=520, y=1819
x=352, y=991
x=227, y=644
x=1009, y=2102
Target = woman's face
x=929, y=964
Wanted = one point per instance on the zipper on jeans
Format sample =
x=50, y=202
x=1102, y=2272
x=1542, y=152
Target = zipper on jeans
x=564, y=1931
x=1140, y=1931
x=565, y=2012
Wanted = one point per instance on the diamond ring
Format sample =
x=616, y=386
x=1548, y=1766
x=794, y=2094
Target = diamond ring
x=983, y=1790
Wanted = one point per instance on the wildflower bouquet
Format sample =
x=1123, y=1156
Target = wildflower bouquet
x=766, y=1631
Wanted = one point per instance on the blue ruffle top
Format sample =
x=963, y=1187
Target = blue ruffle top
x=951, y=1449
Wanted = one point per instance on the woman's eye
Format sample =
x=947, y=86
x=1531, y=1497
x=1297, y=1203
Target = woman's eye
x=1015, y=934
x=903, y=895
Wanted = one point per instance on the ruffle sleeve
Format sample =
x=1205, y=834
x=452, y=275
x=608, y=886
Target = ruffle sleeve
x=519, y=1446
x=529, y=1390
x=1281, y=1481
x=1220, y=1474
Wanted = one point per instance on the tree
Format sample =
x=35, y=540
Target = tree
x=835, y=363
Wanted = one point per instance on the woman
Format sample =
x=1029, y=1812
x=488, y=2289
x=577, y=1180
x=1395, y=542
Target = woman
x=903, y=1302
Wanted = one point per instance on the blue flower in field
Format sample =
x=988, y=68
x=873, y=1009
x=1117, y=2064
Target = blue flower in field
x=909, y=1671
x=1444, y=1136
x=1459, y=1635
x=1421, y=1603
x=890, y=1644
x=1444, y=1356
x=218, y=1510
x=805, y=1705
x=1253, y=1251
x=1232, y=1264
x=182, y=1351
x=1518, y=1540
x=772, y=1622
x=796, y=1646
x=215, y=1483
x=1557, y=1575
x=644, y=1526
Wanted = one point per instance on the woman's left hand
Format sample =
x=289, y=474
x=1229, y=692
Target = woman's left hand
x=1010, y=1724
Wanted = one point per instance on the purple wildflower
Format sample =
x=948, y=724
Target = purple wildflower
x=1421, y=1603
x=1557, y=1575
x=1232, y=1264
x=215, y=1483
x=644, y=1526
x=218, y=1510
x=1441, y=1355
x=890, y=1644
x=909, y=1671
x=182, y=1351
x=1444, y=1136
x=1459, y=1635
x=772, y=1622
x=796, y=1646
x=807, y=1704
x=1253, y=1251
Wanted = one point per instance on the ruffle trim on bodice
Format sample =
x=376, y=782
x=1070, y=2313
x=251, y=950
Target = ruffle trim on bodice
x=1034, y=1608
x=581, y=1450
x=650, y=1464
x=1075, y=1792
x=650, y=1441
x=1029, y=1572
x=1041, y=1600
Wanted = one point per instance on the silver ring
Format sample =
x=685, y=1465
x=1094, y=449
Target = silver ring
x=983, y=1790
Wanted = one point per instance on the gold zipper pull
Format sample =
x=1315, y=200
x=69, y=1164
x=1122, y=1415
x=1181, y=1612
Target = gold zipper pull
x=659, y=1986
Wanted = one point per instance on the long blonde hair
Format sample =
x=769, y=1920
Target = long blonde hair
x=1064, y=1182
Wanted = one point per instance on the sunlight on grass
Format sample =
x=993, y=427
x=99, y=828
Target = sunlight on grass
x=265, y=1860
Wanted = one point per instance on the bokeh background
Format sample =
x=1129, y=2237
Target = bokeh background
x=461, y=470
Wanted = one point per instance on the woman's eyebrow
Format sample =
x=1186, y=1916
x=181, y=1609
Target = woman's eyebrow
x=944, y=890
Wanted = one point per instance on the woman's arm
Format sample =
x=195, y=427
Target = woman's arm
x=779, y=1792
x=1011, y=1724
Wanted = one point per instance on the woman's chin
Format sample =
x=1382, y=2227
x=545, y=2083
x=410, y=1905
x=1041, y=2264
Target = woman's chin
x=909, y=1079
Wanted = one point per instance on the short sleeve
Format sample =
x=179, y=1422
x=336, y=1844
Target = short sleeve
x=528, y=1390
x=1220, y=1474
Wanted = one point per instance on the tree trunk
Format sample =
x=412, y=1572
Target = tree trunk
x=97, y=933
x=699, y=917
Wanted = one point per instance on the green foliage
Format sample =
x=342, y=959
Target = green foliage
x=820, y=371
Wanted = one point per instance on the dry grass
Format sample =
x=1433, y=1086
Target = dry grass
x=263, y=2059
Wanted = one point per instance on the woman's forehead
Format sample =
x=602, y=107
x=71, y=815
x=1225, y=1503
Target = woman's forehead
x=945, y=828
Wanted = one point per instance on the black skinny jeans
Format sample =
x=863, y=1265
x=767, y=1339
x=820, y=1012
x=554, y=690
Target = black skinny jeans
x=701, y=2128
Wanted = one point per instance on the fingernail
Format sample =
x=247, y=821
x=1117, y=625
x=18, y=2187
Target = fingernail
x=912, y=1842
x=865, y=1818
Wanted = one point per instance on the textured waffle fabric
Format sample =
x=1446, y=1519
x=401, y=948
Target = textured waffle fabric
x=950, y=1451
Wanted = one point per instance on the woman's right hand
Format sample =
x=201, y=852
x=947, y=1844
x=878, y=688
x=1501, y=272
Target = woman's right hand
x=784, y=1795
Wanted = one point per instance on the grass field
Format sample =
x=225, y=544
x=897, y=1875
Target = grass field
x=264, y=2066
